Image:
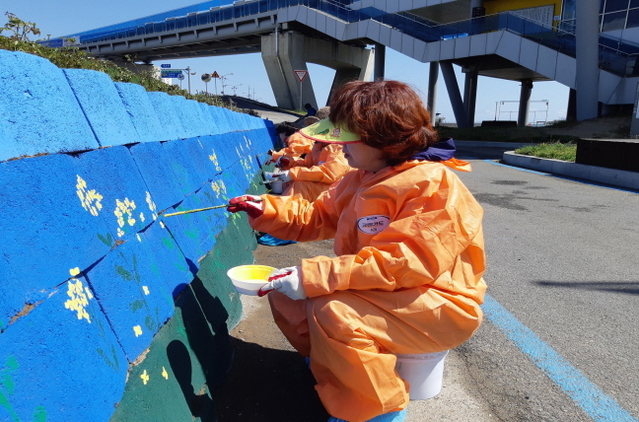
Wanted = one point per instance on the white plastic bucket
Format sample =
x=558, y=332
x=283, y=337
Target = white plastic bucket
x=248, y=279
x=424, y=373
x=276, y=186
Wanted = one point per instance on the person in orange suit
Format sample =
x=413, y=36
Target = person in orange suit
x=316, y=172
x=295, y=145
x=407, y=277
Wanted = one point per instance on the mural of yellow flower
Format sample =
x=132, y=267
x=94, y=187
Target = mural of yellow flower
x=124, y=213
x=248, y=141
x=152, y=207
x=218, y=187
x=165, y=374
x=246, y=163
x=145, y=377
x=137, y=330
x=215, y=161
x=90, y=199
x=79, y=297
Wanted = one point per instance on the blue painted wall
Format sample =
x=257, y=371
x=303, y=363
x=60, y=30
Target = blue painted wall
x=90, y=270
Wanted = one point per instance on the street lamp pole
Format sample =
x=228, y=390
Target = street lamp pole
x=188, y=78
x=224, y=77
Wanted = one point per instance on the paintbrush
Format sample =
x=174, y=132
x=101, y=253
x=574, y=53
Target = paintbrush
x=203, y=209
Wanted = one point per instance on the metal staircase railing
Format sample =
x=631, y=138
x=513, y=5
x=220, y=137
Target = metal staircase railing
x=616, y=56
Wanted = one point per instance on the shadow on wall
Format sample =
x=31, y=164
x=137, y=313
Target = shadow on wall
x=200, y=404
x=204, y=319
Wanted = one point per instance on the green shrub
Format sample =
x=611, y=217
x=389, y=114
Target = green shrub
x=554, y=150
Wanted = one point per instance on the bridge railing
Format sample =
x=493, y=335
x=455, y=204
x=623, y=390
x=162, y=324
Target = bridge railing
x=615, y=55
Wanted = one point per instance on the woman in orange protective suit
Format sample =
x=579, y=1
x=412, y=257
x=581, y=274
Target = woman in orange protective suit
x=295, y=145
x=316, y=172
x=407, y=278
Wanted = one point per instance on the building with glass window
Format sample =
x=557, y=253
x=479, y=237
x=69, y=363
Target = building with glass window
x=616, y=17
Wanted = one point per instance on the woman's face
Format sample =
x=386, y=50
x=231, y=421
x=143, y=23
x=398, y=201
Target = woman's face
x=363, y=157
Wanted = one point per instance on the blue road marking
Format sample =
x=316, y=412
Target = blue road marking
x=597, y=404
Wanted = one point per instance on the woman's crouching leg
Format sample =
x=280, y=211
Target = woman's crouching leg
x=355, y=381
x=290, y=317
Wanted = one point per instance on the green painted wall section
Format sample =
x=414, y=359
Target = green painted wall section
x=173, y=380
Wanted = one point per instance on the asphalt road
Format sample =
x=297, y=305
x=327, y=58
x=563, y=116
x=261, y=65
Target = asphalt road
x=562, y=261
x=561, y=335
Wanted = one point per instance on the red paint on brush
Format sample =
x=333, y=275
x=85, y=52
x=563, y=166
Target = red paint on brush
x=262, y=293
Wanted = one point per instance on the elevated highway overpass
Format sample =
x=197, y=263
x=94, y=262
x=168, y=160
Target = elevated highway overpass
x=340, y=34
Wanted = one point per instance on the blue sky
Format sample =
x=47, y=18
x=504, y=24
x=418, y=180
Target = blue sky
x=247, y=74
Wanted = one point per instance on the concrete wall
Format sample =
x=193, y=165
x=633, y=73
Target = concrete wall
x=108, y=310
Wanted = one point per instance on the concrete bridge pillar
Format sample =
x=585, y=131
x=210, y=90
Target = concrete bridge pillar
x=433, y=80
x=284, y=52
x=453, y=93
x=470, y=93
x=587, y=75
x=380, y=61
x=524, y=102
x=475, y=6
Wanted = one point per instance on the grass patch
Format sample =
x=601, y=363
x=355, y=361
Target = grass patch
x=553, y=150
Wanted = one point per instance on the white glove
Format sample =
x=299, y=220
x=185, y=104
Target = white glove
x=286, y=280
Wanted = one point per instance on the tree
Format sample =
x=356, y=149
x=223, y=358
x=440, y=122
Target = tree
x=19, y=28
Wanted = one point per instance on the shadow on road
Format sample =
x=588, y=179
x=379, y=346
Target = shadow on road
x=629, y=287
x=267, y=385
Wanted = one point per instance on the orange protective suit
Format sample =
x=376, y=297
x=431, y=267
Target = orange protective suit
x=315, y=173
x=296, y=146
x=407, y=279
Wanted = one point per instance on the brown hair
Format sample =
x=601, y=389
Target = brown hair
x=285, y=128
x=387, y=115
x=309, y=120
x=323, y=113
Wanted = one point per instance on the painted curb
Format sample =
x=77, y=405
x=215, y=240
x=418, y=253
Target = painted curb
x=617, y=178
